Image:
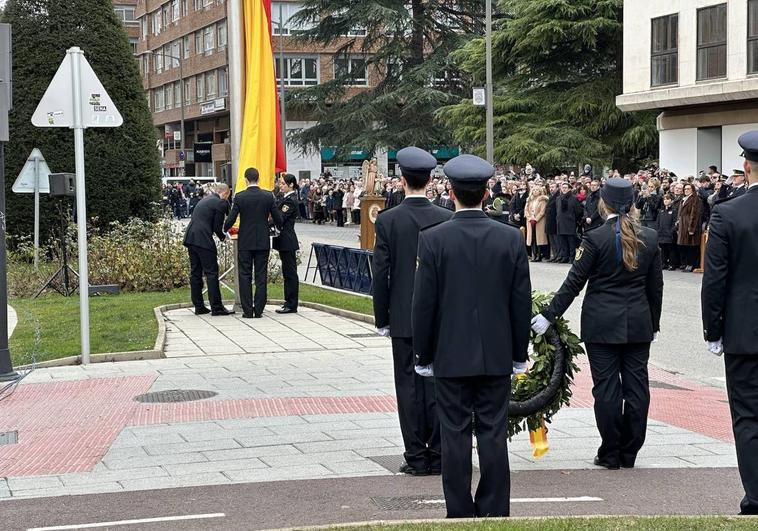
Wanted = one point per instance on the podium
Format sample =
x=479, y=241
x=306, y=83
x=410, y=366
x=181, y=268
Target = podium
x=371, y=205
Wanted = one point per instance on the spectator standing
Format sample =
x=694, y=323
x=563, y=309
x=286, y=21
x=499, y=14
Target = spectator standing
x=569, y=212
x=551, y=223
x=339, y=199
x=664, y=225
x=536, y=237
x=689, y=227
x=592, y=216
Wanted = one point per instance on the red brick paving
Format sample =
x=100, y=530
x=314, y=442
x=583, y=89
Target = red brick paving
x=69, y=426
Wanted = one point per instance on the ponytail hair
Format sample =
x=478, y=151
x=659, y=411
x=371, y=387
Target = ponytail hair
x=627, y=235
x=291, y=180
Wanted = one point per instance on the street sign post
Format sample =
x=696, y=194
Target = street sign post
x=76, y=99
x=33, y=179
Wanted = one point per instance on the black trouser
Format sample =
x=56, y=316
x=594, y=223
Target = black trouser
x=248, y=259
x=568, y=246
x=416, y=405
x=741, y=378
x=622, y=398
x=555, y=245
x=356, y=216
x=487, y=397
x=291, y=282
x=689, y=255
x=666, y=249
x=340, y=217
x=204, y=261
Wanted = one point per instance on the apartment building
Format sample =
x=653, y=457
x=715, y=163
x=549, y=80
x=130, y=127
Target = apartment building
x=697, y=62
x=182, y=50
x=126, y=11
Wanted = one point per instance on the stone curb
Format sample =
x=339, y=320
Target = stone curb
x=160, y=341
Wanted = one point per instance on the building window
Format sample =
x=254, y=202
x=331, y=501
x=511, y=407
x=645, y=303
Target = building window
x=223, y=82
x=144, y=26
x=221, y=34
x=145, y=64
x=174, y=10
x=158, y=60
x=287, y=10
x=209, y=38
x=187, y=96
x=186, y=47
x=133, y=43
x=210, y=84
x=176, y=53
x=178, y=94
x=157, y=23
x=185, y=8
x=664, y=57
x=166, y=15
x=158, y=99
x=126, y=14
x=298, y=71
x=199, y=42
x=353, y=68
x=200, y=87
x=752, y=36
x=711, y=42
x=169, y=99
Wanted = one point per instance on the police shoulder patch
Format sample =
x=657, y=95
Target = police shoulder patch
x=285, y=208
x=579, y=254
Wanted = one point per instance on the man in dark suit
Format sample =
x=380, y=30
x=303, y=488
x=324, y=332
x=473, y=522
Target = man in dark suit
x=730, y=307
x=472, y=336
x=592, y=218
x=254, y=207
x=443, y=199
x=207, y=220
x=396, y=195
x=393, y=266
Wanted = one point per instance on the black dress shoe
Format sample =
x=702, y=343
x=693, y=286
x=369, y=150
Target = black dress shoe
x=247, y=316
x=604, y=464
x=435, y=472
x=202, y=311
x=286, y=310
x=411, y=471
x=223, y=312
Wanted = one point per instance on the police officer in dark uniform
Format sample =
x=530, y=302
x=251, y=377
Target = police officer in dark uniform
x=286, y=242
x=730, y=307
x=393, y=267
x=207, y=220
x=472, y=335
x=254, y=206
x=620, y=317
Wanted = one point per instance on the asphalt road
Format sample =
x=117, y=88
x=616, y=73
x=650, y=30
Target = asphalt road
x=317, y=502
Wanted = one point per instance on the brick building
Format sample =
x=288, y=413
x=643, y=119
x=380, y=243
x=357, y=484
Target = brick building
x=183, y=44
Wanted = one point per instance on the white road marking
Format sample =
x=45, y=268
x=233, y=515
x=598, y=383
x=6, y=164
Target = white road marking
x=534, y=500
x=131, y=522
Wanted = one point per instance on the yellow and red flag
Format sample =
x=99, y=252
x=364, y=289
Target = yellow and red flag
x=261, y=144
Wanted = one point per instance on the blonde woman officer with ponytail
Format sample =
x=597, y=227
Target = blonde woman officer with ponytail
x=620, y=318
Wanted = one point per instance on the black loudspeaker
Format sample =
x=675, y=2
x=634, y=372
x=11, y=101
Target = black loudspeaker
x=62, y=185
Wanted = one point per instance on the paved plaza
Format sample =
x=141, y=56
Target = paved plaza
x=306, y=401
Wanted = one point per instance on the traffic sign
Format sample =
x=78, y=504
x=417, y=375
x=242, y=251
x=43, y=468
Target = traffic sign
x=56, y=109
x=30, y=172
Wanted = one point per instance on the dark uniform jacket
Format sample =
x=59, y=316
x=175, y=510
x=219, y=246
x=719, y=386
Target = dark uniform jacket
x=253, y=206
x=472, y=297
x=729, y=292
x=620, y=306
x=287, y=239
x=551, y=219
x=665, y=225
x=207, y=219
x=394, y=261
x=444, y=202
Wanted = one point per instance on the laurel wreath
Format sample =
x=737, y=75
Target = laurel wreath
x=547, y=386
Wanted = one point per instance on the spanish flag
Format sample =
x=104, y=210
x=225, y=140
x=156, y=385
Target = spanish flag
x=261, y=144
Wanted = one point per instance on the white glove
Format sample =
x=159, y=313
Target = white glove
x=384, y=332
x=424, y=370
x=655, y=337
x=519, y=367
x=716, y=347
x=540, y=324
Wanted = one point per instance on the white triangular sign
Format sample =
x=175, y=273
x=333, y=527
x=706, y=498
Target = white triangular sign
x=56, y=109
x=25, y=181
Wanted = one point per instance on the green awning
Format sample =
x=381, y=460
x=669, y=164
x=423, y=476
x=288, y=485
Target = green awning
x=329, y=153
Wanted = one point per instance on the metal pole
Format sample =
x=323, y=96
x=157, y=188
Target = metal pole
x=181, y=125
x=488, y=86
x=81, y=204
x=36, y=213
x=282, y=111
x=6, y=365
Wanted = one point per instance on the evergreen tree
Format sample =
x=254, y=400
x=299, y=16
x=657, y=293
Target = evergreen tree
x=121, y=164
x=557, y=71
x=407, y=47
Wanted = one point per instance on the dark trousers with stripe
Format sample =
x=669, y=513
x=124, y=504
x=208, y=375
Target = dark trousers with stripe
x=742, y=389
x=291, y=282
x=487, y=397
x=416, y=409
x=622, y=398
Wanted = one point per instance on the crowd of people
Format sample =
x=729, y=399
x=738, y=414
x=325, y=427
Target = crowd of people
x=180, y=199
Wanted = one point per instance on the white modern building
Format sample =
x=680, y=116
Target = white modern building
x=697, y=62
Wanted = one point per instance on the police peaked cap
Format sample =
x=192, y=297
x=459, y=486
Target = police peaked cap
x=468, y=169
x=618, y=194
x=749, y=143
x=414, y=161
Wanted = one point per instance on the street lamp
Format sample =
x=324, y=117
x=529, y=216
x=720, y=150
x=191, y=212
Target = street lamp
x=490, y=118
x=181, y=90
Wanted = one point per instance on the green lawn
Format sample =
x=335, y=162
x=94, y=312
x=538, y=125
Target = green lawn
x=662, y=523
x=48, y=327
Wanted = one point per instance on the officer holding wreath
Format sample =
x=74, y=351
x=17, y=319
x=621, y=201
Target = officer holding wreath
x=620, y=318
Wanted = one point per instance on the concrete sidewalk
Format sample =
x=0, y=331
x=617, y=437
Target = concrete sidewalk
x=306, y=396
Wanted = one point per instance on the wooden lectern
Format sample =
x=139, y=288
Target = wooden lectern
x=371, y=205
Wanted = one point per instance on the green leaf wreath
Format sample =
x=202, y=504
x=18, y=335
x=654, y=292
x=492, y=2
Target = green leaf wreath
x=541, y=373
